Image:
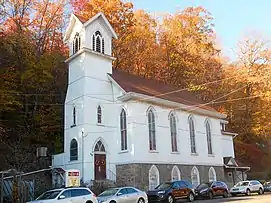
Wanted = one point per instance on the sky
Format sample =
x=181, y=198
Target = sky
x=234, y=19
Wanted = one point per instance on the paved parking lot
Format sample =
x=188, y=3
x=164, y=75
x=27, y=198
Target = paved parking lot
x=266, y=198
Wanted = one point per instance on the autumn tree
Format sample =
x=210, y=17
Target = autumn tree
x=33, y=78
x=248, y=109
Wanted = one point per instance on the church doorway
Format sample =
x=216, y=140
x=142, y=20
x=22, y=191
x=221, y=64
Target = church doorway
x=99, y=161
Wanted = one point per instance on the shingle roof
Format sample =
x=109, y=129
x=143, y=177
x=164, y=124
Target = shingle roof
x=150, y=87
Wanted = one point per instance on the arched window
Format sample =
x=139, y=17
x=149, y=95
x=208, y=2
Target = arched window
x=73, y=150
x=212, y=174
x=99, y=147
x=99, y=114
x=74, y=116
x=175, y=174
x=123, y=130
x=151, y=123
x=98, y=42
x=195, y=179
x=192, y=135
x=209, y=137
x=173, y=132
x=76, y=43
x=153, y=177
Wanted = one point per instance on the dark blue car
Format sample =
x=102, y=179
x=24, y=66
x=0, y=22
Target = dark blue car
x=267, y=186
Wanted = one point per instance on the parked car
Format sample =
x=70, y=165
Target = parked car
x=67, y=195
x=123, y=195
x=212, y=189
x=267, y=186
x=247, y=187
x=171, y=191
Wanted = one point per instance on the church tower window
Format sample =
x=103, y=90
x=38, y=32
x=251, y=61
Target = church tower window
x=76, y=43
x=98, y=42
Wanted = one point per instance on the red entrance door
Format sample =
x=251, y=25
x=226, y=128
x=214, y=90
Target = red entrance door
x=100, y=166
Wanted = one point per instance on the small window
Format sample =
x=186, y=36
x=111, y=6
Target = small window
x=103, y=45
x=78, y=192
x=175, y=185
x=182, y=184
x=151, y=124
x=73, y=150
x=131, y=190
x=209, y=137
x=99, y=147
x=66, y=193
x=123, y=191
x=123, y=130
x=192, y=135
x=99, y=114
x=74, y=117
x=76, y=43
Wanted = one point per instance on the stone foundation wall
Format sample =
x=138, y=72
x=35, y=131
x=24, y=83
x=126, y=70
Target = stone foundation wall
x=137, y=175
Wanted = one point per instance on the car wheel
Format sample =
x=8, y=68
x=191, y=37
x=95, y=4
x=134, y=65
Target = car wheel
x=225, y=194
x=210, y=195
x=248, y=192
x=170, y=199
x=260, y=191
x=141, y=200
x=191, y=197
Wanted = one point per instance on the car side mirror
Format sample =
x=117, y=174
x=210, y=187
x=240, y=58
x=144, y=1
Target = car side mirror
x=61, y=197
x=119, y=194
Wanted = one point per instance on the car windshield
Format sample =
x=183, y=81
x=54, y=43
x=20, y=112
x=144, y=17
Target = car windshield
x=109, y=192
x=267, y=184
x=163, y=186
x=204, y=185
x=49, y=195
x=242, y=184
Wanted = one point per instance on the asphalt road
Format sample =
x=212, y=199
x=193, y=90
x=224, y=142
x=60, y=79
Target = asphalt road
x=266, y=198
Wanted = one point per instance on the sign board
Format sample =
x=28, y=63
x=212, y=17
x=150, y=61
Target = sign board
x=72, y=178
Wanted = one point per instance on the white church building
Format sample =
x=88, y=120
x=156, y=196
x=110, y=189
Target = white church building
x=132, y=130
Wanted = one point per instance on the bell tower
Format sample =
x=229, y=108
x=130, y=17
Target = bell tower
x=90, y=60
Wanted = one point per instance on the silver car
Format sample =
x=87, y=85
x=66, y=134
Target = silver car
x=123, y=195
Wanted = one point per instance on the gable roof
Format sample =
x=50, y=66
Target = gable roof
x=85, y=22
x=150, y=87
x=81, y=18
x=100, y=16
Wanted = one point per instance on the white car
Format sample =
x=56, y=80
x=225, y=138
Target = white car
x=123, y=195
x=67, y=195
x=247, y=187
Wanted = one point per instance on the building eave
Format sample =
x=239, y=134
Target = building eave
x=237, y=167
x=115, y=83
x=106, y=22
x=229, y=133
x=163, y=102
x=72, y=21
x=87, y=50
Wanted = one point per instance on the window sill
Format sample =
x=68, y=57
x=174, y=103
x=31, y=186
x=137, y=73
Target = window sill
x=153, y=151
x=124, y=151
x=72, y=126
x=194, y=154
x=175, y=152
x=211, y=155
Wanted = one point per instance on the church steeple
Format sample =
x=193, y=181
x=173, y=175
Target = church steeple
x=94, y=34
